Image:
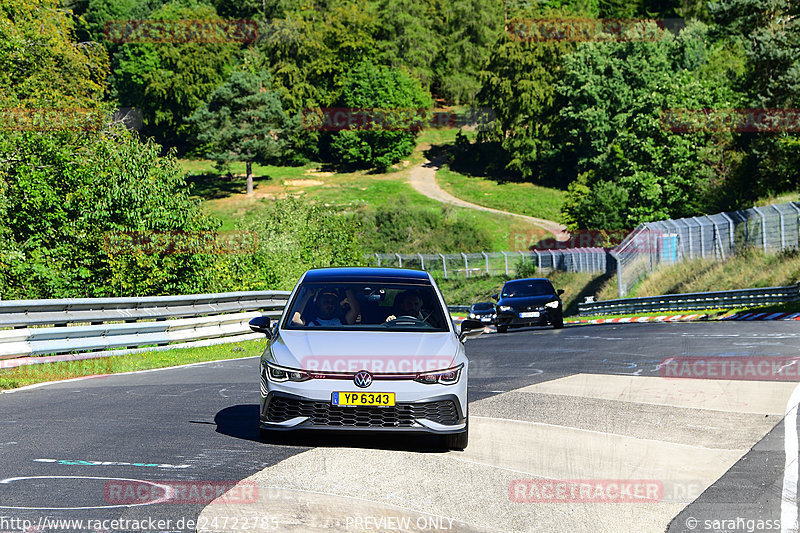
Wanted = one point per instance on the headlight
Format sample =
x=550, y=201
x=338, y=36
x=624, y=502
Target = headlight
x=472, y=315
x=445, y=377
x=552, y=305
x=506, y=308
x=279, y=374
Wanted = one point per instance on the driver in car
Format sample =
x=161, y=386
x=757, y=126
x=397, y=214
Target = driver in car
x=407, y=303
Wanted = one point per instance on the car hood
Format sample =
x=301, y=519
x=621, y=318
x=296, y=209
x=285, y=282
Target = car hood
x=351, y=351
x=528, y=301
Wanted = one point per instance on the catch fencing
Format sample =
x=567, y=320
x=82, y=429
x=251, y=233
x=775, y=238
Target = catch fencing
x=773, y=228
x=499, y=263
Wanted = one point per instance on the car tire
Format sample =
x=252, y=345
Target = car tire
x=502, y=329
x=458, y=441
x=558, y=323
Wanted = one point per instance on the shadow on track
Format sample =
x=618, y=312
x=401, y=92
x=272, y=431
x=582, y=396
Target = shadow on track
x=241, y=422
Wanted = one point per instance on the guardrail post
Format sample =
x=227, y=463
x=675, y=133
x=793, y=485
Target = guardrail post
x=505, y=257
x=466, y=265
x=783, y=233
x=421, y=261
x=444, y=265
x=399, y=260
x=378, y=257
x=763, y=227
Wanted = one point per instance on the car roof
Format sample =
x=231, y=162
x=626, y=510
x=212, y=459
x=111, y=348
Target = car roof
x=370, y=274
x=528, y=279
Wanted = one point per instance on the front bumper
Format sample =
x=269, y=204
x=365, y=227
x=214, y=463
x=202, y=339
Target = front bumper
x=441, y=414
x=512, y=319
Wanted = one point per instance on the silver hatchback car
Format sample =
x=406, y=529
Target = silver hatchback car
x=366, y=349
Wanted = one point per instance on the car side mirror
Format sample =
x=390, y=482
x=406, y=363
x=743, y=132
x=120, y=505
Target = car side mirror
x=494, y=297
x=470, y=329
x=260, y=324
x=560, y=292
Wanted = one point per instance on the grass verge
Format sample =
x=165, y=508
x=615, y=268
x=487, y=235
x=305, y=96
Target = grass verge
x=12, y=378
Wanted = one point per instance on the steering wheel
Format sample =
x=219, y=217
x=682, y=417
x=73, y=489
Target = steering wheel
x=416, y=321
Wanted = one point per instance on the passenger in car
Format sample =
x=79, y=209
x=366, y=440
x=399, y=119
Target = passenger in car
x=328, y=309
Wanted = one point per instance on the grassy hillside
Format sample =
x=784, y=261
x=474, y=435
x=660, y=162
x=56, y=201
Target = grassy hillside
x=365, y=193
x=751, y=268
x=522, y=198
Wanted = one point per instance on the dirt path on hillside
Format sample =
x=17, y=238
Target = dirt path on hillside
x=423, y=179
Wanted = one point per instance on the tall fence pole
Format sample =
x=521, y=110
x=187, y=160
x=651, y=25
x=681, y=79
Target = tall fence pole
x=444, y=265
x=783, y=232
x=731, y=229
x=763, y=227
x=505, y=257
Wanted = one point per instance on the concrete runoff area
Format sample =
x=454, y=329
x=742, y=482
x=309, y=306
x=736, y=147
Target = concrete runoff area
x=353, y=489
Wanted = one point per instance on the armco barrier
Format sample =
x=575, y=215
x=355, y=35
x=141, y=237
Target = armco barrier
x=693, y=301
x=92, y=324
x=100, y=327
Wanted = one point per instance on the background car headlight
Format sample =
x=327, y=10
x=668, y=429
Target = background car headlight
x=472, y=315
x=279, y=374
x=445, y=377
x=506, y=308
x=552, y=305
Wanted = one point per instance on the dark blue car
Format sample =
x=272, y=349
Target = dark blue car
x=529, y=302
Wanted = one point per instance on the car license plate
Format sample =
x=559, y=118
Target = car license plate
x=354, y=399
x=529, y=314
x=486, y=319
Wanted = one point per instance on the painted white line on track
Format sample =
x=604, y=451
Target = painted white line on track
x=167, y=493
x=790, y=468
x=95, y=376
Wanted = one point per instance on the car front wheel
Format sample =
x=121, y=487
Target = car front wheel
x=502, y=329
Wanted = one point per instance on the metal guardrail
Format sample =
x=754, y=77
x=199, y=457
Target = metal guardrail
x=86, y=328
x=111, y=324
x=693, y=301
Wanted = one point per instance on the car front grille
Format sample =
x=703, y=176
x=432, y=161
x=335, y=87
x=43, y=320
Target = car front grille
x=281, y=409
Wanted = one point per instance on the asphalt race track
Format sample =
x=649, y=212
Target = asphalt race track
x=550, y=411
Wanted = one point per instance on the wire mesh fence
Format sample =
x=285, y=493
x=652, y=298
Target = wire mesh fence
x=499, y=263
x=772, y=229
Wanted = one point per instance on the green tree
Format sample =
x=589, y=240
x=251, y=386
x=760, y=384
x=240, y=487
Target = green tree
x=243, y=121
x=613, y=137
x=769, y=31
x=168, y=81
x=384, y=142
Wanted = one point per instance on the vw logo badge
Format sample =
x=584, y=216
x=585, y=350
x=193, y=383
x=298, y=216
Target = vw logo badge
x=363, y=379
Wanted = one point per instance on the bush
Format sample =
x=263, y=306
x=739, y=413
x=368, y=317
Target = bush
x=371, y=87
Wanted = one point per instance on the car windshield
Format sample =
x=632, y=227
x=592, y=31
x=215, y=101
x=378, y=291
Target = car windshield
x=526, y=288
x=483, y=306
x=366, y=307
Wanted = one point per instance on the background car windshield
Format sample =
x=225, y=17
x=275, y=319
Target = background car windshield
x=523, y=289
x=381, y=307
x=483, y=306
